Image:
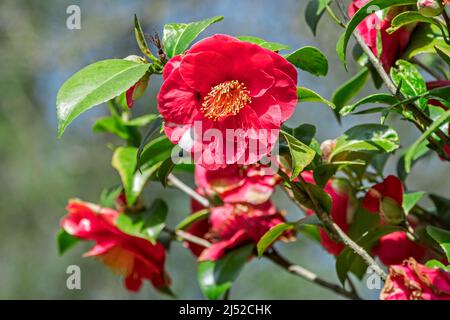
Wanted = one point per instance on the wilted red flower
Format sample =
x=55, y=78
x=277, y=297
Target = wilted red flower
x=396, y=247
x=133, y=257
x=386, y=198
x=252, y=184
x=227, y=87
x=233, y=225
x=413, y=281
x=393, y=45
x=341, y=212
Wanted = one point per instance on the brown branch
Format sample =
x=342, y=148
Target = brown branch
x=308, y=275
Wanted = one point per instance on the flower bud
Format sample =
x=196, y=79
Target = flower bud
x=327, y=148
x=430, y=8
x=391, y=211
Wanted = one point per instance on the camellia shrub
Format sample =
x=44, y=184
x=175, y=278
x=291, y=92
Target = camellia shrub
x=220, y=116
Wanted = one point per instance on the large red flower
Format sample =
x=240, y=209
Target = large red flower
x=341, y=212
x=252, y=184
x=224, y=100
x=393, y=45
x=413, y=281
x=233, y=225
x=135, y=258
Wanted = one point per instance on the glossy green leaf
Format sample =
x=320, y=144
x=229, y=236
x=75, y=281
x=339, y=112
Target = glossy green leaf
x=216, y=277
x=65, y=241
x=371, y=138
x=411, y=199
x=444, y=118
x=150, y=134
x=409, y=17
x=361, y=14
x=273, y=46
x=108, y=196
x=112, y=125
x=140, y=39
x=164, y=170
x=442, y=206
x=350, y=89
x=309, y=59
x=271, y=236
x=177, y=37
x=192, y=218
x=314, y=11
x=442, y=237
x=444, y=53
x=147, y=224
x=381, y=98
x=406, y=76
x=301, y=154
x=93, y=85
x=307, y=95
x=424, y=40
x=420, y=152
x=325, y=171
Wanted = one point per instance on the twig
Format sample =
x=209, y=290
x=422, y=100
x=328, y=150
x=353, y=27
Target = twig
x=188, y=190
x=187, y=237
x=421, y=117
x=308, y=275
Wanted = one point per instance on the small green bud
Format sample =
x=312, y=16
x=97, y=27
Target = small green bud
x=430, y=8
x=391, y=211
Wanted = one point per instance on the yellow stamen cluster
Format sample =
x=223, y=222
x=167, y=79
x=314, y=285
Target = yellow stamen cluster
x=225, y=99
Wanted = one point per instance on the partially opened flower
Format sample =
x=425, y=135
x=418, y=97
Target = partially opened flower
x=252, y=184
x=413, y=281
x=342, y=210
x=224, y=100
x=233, y=225
x=135, y=258
x=392, y=45
x=386, y=198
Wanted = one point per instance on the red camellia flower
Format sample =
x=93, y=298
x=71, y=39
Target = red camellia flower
x=233, y=225
x=413, y=281
x=393, y=45
x=396, y=247
x=135, y=258
x=341, y=211
x=224, y=100
x=252, y=184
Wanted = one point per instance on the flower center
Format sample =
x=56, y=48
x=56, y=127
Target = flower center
x=225, y=99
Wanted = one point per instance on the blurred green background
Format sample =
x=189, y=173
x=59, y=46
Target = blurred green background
x=38, y=173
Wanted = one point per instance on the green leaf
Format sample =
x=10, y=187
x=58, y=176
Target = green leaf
x=112, y=125
x=152, y=131
x=411, y=199
x=420, y=152
x=361, y=14
x=372, y=138
x=65, y=241
x=313, y=13
x=424, y=40
x=93, y=85
x=158, y=149
x=435, y=264
x=164, y=170
x=305, y=133
x=124, y=161
x=273, y=46
x=307, y=95
x=321, y=196
x=301, y=154
x=325, y=171
x=374, y=98
x=350, y=89
x=444, y=53
x=177, y=37
x=216, y=277
x=442, y=237
x=140, y=39
x=408, y=17
x=309, y=59
x=192, y=218
x=408, y=78
x=271, y=236
x=141, y=121
x=148, y=224
x=444, y=118
x=442, y=206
